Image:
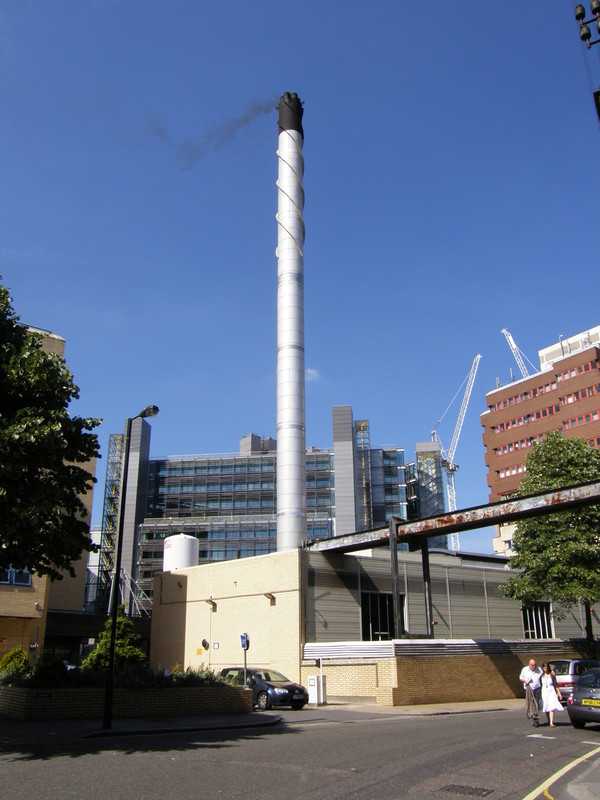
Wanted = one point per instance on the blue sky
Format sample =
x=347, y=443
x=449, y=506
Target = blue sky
x=451, y=179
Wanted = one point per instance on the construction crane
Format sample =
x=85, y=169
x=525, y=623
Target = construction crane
x=516, y=353
x=448, y=455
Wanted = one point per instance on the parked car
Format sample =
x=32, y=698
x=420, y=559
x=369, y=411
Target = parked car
x=583, y=704
x=568, y=671
x=269, y=687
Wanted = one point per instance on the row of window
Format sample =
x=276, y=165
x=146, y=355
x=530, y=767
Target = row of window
x=571, y=373
x=217, y=468
x=511, y=423
x=583, y=419
x=225, y=504
x=315, y=529
x=239, y=467
x=509, y=401
x=546, y=412
x=239, y=486
x=590, y=391
x=544, y=388
x=516, y=469
x=243, y=535
x=547, y=387
x=187, y=488
x=519, y=421
x=240, y=504
x=520, y=444
x=523, y=396
x=158, y=534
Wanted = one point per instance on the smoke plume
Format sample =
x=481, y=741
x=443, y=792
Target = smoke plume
x=189, y=151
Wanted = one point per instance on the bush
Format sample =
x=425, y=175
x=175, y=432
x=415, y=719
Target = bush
x=14, y=666
x=196, y=677
x=132, y=670
x=12, y=677
x=49, y=672
x=126, y=648
x=15, y=659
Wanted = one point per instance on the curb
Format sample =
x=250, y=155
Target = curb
x=103, y=734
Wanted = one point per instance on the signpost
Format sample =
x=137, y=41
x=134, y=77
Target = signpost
x=245, y=647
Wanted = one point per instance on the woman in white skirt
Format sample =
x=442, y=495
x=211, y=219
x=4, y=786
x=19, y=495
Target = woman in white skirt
x=550, y=701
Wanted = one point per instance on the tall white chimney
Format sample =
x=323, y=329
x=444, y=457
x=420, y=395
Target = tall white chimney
x=291, y=436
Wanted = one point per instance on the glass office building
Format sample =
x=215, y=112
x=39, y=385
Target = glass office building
x=229, y=502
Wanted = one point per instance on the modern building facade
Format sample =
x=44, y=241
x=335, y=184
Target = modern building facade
x=229, y=501
x=563, y=396
x=430, y=469
x=308, y=613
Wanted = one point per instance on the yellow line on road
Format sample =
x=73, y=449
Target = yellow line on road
x=549, y=781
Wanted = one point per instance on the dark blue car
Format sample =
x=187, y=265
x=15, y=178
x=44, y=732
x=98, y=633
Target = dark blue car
x=269, y=687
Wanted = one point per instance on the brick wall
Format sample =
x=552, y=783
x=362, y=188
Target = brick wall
x=439, y=678
x=23, y=616
x=200, y=612
x=30, y=704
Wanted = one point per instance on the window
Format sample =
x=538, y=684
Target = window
x=15, y=577
x=377, y=614
x=537, y=622
x=590, y=680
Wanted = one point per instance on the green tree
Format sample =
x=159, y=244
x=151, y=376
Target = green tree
x=558, y=554
x=43, y=454
x=126, y=647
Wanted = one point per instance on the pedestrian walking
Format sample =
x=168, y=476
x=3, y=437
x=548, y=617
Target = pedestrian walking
x=531, y=678
x=550, y=693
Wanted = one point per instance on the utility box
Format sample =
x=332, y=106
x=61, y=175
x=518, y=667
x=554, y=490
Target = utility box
x=317, y=694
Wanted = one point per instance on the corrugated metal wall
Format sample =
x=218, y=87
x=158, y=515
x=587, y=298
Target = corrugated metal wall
x=466, y=598
x=332, y=599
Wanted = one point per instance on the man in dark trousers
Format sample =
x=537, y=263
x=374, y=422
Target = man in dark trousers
x=531, y=678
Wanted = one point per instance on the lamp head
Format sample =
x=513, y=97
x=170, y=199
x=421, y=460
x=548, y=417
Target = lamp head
x=149, y=411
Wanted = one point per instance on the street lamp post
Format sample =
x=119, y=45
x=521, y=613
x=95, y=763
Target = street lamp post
x=586, y=34
x=149, y=411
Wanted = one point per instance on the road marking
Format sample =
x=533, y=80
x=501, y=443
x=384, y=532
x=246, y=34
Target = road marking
x=542, y=736
x=543, y=788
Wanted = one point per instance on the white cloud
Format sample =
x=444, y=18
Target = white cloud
x=312, y=375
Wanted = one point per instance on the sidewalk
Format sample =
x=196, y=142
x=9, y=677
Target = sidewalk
x=12, y=731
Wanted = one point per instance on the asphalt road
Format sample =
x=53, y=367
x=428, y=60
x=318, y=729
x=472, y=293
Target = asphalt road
x=316, y=753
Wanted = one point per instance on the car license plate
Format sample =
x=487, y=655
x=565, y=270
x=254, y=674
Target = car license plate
x=590, y=702
x=300, y=697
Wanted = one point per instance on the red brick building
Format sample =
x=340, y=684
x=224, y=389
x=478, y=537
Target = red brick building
x=563, y=396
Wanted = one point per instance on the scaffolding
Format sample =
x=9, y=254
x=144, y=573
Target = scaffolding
x=98, y=585
x=361, y=427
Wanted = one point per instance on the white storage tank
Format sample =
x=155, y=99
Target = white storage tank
x=180, y=551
